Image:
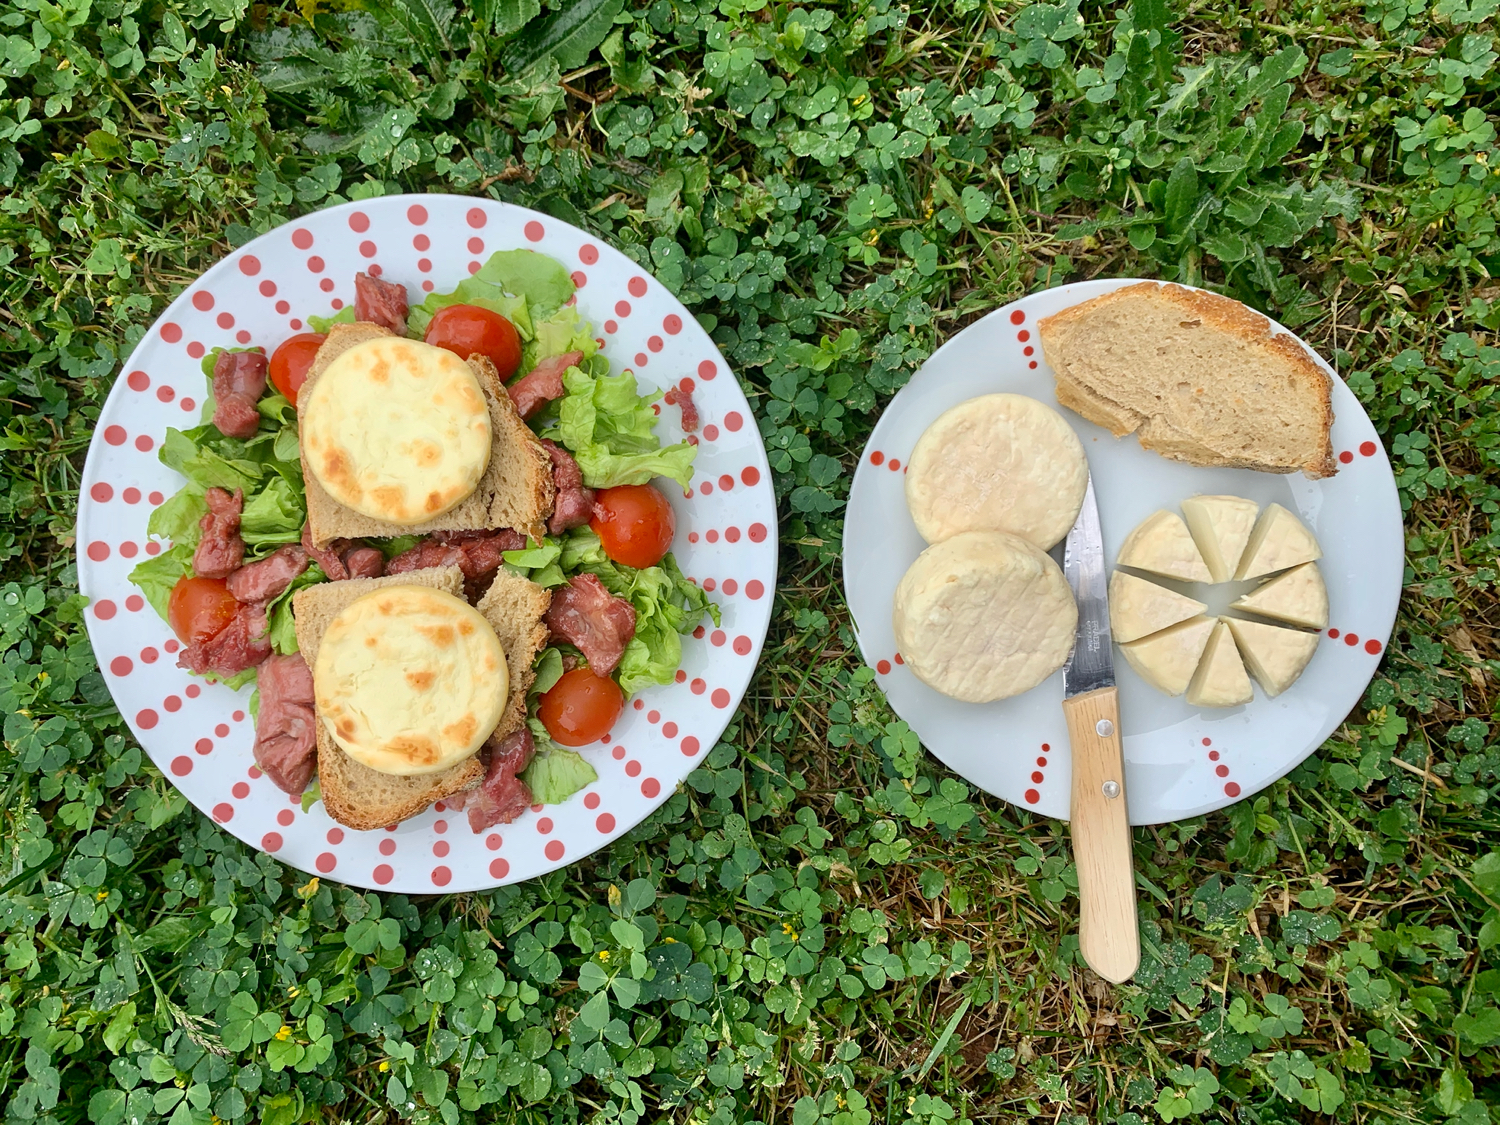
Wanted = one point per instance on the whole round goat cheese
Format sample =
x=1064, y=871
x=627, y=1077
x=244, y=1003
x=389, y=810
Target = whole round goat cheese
x=984, y=615
x=397, y=430
x=410, y=680
x=997, y=463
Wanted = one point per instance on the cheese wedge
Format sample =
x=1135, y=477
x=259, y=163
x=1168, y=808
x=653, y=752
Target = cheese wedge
x=1221, y=525
x=984, y=615
x=1138, y=608
x=998, y=462
x=1276, y=656
x=1166, y=660
x=1297, y=597
x=1220, y=680
x=1279, y=542
x=1162, y=545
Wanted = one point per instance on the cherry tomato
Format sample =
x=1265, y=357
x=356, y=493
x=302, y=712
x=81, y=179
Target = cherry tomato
x=635, y=523
x=199, y=608
x=290, y=361
x=581, y=707
x=467, y=330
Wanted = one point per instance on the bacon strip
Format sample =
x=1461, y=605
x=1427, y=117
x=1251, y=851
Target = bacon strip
x=239, y=381
x=574, y=503
x=541, y=384
x=502, y=795
x=380, y=302
x=220, y=549
x=264, y=580
x=586, y=615
x=241, y=644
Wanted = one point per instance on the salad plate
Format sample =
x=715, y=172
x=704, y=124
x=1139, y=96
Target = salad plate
x=293, y=279
x=1180, y=761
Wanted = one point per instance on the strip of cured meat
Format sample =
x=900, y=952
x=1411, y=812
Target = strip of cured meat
x=286, y=747
x=574, y=504
x=542, y=383
x=239, y=381
x=502, y=795
x=261, y=581
x=380, y=302
x=586, y=615
x=241, y=644
x=220, y=549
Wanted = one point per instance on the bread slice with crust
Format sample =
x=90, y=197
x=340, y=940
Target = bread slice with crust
x=514, y=607
x=1195, y=376
x=516, y=490
x=355, y=795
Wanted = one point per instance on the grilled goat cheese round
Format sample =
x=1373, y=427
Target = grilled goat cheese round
x=997, y=463
x=397, y=430
x=984, y=615
x=410, y=680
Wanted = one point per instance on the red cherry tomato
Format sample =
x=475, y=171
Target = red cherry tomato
x=290, y=361
x=199, y=608
x=467, y=330
x=635, y=524
x=581, y=707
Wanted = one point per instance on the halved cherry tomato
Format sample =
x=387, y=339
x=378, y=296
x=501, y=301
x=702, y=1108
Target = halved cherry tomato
x=199, y=608
x=467, y=330
x=581, y=707
x=634, y=523
x=290, y=362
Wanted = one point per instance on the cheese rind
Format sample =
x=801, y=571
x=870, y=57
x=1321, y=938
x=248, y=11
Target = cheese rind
x=1138, y=608
x=397, y=430
x=1220, y=679
x=984, y=615
x=1161, y=544
x=1276, y=656
x=1167, y=660
x=1221, y=526
x=1279, y=542
x=410, y=680
x=1297, y=597
x=998, y=462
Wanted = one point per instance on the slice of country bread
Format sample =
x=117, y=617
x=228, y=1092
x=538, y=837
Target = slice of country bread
x=1197, y=377
x=516, y=490
x=514, y=607
x=355, y=795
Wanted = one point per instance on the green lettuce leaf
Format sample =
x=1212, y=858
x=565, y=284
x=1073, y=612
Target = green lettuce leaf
x=274, y=515
x=607, y=424
x=549, y=669
x=534, y=554
x=236, y=681
x=345, y=315
x=156, y=577
x=393, y=547
x=563, y=331
x=206, y=468
x=312, y=794
x=279, y=623
x=520, y=285
x=555, y=775
x=178, y=518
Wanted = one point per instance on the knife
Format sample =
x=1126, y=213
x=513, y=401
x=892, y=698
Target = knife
x=1108, y=936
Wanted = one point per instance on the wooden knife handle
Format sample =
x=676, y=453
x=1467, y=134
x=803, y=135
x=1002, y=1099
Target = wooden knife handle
x=1108, y=936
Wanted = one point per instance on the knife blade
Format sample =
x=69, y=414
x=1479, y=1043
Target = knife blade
x=1091, y=664
x=1108, y=935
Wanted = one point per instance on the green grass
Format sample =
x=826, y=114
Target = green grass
x=821, y=925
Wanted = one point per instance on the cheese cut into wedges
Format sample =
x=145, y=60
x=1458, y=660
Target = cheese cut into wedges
x=1297, y=597
x=1220, y=680
x=1221, y=525
x=1276, y=656
x=1162, y=545
x=1166, y=660
x=1138, y=608
x=1279, y=542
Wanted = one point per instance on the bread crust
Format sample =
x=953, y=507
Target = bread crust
x=516, y=490
x=514, y=607
x=1223, y=314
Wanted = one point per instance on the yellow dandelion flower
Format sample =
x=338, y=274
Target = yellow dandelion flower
x=604, y=955
x=101, y=896
x=385, y=1065
x=284, y=1034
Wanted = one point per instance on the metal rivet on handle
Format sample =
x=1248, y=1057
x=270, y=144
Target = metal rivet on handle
x=1111, y=788
x=1104, y=728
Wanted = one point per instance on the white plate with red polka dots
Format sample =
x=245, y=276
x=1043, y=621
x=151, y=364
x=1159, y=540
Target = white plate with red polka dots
x=199, y=734
x=1180, y=761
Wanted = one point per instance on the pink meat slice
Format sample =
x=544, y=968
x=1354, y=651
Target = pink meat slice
x=502, y=795
x=380, y=302
x=241, y=644
x=586, y=615
x=261, y=581
x=220, y=549
x=542, y=384
x=286, y=746
x=574, y=504
x=239, y=381
x=364, y=562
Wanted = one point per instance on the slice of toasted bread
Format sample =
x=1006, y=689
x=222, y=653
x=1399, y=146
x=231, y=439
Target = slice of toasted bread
x=516, y=490
x=355, y=795
x=1197, y=377
x=514, y=607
